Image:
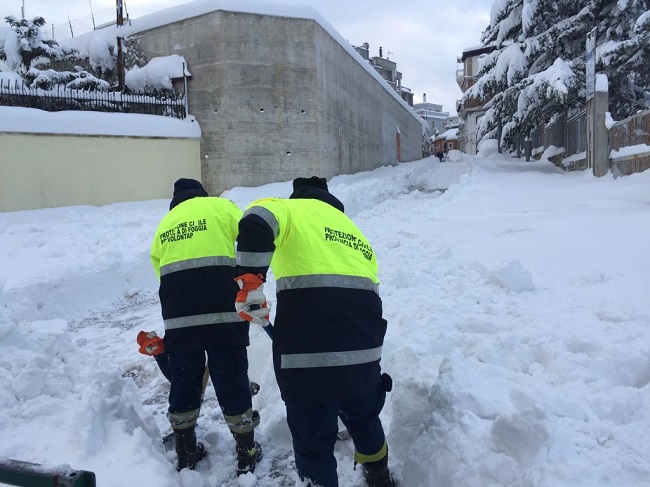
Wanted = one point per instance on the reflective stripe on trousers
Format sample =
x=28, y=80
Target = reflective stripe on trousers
x=206, y=319
x=329, y=359
x=183, y=420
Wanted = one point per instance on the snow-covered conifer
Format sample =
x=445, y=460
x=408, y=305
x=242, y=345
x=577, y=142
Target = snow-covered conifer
x=537, y=69
x=25, y=45
x=625, y=56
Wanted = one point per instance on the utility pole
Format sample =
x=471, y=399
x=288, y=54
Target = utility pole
x=92, y=15
x=22, y=10
x=120, y=52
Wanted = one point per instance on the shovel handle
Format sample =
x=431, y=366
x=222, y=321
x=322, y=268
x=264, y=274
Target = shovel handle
x=268, y=328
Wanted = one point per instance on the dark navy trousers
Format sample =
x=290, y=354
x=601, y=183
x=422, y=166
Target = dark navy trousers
x=314, y=427
x=228, y=369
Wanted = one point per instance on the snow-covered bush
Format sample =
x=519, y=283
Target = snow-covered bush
x=157, y=74
x=49, y=79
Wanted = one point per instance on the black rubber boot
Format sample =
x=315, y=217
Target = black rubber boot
x=249, y=452
x=377, y=474
x=188, y=450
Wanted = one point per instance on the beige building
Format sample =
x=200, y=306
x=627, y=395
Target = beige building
x=51, y=159
x=466, y=76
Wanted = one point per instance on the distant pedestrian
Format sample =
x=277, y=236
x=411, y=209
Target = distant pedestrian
x=439, y=155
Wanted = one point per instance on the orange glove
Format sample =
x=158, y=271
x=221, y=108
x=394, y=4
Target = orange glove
x=250, y=302
x=150, y=343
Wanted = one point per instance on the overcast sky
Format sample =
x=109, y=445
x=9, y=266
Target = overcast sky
x=424, y=37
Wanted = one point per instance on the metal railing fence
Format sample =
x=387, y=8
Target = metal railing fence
x=59, y=99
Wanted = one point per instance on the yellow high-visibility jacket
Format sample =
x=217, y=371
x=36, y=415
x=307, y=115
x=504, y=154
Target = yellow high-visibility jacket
x=193, y=253
x=329, y=329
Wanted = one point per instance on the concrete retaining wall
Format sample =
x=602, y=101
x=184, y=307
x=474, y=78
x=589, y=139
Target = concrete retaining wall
x=280, y=97
x=50, y=170
x=359, y=118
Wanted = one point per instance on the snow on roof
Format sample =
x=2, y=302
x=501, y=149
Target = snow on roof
x=32, y=120
x=475, y=51
x=473, y=48
x=94, y=45
x=451, y=134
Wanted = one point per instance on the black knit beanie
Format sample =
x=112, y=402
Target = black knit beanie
x=314, y=182
x=315, y=188
x=185, y=189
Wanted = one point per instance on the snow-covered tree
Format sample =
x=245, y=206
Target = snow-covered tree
x=25, y=50
x=537, y=69
x=625, y=57
x=26, y=46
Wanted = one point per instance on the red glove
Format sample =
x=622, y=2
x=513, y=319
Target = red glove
x=250, y=302
x=150, y=343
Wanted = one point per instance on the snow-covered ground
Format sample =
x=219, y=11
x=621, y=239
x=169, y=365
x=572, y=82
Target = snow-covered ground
x=518, y=339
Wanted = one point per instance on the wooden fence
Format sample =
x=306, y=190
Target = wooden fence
x=629, y=142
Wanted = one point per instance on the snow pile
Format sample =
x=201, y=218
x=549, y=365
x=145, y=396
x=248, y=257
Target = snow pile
x=516, y=300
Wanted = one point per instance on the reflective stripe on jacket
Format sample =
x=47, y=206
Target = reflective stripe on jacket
x=193, y=253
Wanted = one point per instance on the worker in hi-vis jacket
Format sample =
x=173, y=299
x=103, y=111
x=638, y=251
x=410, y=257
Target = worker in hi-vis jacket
x=193, y=253
x=328, y=328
